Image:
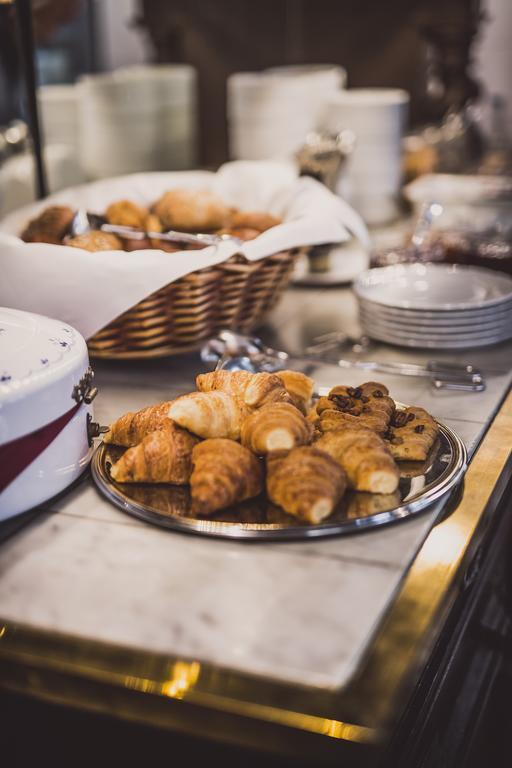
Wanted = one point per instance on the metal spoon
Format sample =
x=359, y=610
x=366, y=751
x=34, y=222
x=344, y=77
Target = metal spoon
x=84, y=222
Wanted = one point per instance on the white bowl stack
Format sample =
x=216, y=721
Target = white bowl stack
x=373, y=173
x=58, y=105
x=270, y=113
x=435, y=306
x=139, y=118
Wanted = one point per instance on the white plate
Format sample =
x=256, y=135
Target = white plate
x=493, y=314
x=438, y=325
x=346, y=263
x=427, y=336
x=412, y=340
x=404, y=329
x=434, y=287
x=428, y=344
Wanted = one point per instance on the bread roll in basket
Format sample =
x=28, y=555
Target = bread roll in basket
x=151, y=303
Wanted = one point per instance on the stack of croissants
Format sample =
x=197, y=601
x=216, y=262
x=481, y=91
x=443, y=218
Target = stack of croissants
x=242, y=434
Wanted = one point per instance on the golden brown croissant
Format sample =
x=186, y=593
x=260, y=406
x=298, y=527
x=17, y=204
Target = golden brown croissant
x=96, y=240
x=254, y=219
x=164, y=456
x=131, y=428
x=275, y=427
x=224, y=473
x=411, y=434
x=369, y=403
x=299, y=387
x=306, y=483
x=50, y=226
x=127, y=214
x=255, y=389
x=191, y=210
x=210, y=414
x=364, y=457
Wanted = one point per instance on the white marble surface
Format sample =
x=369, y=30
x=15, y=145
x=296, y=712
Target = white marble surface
x=302, y=612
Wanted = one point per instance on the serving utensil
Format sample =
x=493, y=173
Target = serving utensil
x=84, y=222
x=235, y=351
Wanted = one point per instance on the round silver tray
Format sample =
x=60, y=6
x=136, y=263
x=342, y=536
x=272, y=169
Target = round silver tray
x=421, y=483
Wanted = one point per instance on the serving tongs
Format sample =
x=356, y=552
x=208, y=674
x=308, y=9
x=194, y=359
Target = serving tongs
x=235, y=351
x=84, y=222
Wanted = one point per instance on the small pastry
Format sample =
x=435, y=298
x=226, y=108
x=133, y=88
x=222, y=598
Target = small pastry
x=95, y=240
x=164, y=456
x=299, y=387
x=224, y=473
x=364, y=457
x=333, y=419
x=210, y=414
x=254, y=220
x=124, y=213
x=275, y=427
x=370, y=403
x=411, y=434
x=305, y=482
x=50, y=226
x=131, y=428
x=254, y=389
x=244, y=233
x=191, y=210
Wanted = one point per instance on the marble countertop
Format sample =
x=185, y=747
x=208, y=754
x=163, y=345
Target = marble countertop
x=303, y=613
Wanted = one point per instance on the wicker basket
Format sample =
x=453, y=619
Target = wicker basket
x=235, y=294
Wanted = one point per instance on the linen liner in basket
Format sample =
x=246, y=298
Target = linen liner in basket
x=151, y=303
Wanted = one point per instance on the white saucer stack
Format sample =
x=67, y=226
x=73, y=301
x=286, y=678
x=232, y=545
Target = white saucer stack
x=435, y=306
x=270, y=113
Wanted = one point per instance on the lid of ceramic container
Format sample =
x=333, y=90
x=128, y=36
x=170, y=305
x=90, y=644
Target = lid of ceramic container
x=41, y=361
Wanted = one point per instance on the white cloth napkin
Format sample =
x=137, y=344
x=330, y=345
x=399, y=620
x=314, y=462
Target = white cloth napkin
x=88, y=290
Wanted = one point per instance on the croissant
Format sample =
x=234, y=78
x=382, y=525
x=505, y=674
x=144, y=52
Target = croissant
x=364, y=457
x=164, y=456
x=255, y=389
x=278, y=426
x=369, y=403
x=299, y=387
x=209, y=414
x=131, y=428
x=306, y=483
x=224, y=473
x=411, y=434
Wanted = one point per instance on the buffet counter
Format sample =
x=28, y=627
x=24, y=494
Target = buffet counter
x=315, y=649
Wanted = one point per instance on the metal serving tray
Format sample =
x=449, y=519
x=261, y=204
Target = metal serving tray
x=421, y=483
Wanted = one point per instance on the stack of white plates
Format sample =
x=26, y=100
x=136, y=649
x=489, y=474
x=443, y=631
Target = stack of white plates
x=270, y=113
x=59, y=114
x=139, y=118
x=435, y=306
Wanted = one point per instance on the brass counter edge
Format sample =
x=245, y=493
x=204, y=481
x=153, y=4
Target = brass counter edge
x=68, y=669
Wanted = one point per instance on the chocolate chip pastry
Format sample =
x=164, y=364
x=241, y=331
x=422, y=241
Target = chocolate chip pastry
x=411, y=434
x=368, y=405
